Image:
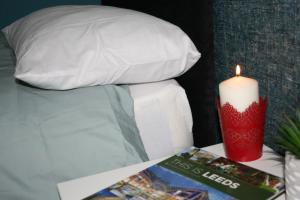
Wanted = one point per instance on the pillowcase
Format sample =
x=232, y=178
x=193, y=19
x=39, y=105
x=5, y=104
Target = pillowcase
x=66, y=47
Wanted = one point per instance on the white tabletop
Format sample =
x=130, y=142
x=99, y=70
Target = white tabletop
x=80, y=188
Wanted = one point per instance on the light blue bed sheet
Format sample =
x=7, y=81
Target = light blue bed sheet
x=47, y=136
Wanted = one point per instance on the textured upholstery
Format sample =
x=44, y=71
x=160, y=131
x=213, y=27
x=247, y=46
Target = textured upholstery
x=264, y=37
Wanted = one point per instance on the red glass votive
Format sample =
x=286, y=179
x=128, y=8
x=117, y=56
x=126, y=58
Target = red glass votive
x=243, y=132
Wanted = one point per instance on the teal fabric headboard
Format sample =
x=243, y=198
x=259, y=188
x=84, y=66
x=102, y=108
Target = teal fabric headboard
x=11, y=10
x=264, y=37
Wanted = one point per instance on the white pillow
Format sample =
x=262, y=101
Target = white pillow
x=67, y=47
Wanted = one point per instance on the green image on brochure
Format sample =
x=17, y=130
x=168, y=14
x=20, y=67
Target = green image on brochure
x=195, y=174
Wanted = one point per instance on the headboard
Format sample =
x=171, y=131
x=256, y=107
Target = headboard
x=11, y=10
x=193, y=16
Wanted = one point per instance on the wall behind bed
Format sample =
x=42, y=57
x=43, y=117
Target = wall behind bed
x=264, y=36
x=11, y=10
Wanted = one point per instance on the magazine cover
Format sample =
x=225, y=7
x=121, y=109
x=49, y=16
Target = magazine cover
x=195, y=174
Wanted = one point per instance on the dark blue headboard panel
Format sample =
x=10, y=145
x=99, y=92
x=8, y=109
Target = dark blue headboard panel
x=11, y=10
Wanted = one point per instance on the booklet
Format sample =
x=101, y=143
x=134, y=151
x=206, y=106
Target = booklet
x=195, y=174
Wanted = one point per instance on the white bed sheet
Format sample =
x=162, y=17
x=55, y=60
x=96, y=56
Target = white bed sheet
x=163, y=117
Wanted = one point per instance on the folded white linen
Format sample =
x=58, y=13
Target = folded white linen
x=163, y=117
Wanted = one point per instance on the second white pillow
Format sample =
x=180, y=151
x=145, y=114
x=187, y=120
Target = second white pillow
x=67, y=47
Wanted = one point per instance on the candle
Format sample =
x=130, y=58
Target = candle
x=239, y=91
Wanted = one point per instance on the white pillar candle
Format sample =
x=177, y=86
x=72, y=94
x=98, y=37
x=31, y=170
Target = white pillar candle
x=240, y=92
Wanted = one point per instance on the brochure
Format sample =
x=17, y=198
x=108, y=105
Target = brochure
x=195, y=174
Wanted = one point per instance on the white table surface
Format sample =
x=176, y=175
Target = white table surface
x=80, y=188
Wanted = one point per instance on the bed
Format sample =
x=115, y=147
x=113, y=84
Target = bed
x=49, y=135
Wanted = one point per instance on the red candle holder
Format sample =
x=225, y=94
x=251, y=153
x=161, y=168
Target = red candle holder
x=243, y=132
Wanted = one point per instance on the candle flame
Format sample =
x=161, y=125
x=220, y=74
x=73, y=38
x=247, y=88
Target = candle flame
x=237, y=70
